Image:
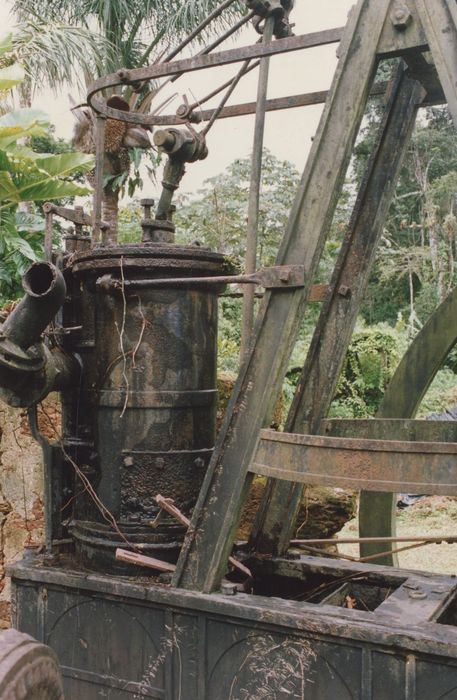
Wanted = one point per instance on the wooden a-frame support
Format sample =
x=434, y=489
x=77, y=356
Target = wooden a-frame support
x=373, y=32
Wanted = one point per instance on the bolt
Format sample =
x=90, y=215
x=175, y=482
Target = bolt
x=123, y=74
x=199, y=462
x=284, y=276
x=128, y=461
x=417, y=595
x=228, y=588
x=182, y=111
x=164, y=139
x=344, y=291
x=439, y=590
x=147, y=204
x=401, y=18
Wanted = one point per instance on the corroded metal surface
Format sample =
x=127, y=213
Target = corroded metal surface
x=28, y=669
x=295, y=638
x=140, y=321
x=358, y=463
x=158, y=70
x=155, y=357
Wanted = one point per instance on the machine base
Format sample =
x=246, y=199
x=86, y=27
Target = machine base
x=138, y=638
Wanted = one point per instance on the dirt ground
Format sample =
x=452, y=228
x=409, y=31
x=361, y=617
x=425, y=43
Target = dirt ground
x=431, y=516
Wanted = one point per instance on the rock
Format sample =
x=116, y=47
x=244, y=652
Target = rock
x=323, y=512
x=225, y=383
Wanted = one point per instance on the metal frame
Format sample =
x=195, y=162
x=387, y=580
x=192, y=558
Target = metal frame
x=376, y=29
x=372, y=24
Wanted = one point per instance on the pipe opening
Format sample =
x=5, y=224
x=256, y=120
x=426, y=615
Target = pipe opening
x=39, y=279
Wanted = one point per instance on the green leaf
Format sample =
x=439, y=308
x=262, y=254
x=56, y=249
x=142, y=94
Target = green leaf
x=8, y=189
x=20, y=124
x=6, y=43
x=29, y=223
x=23, y=247
x=24, y=118
x=65, y=164
x=11, y=76
x=36, y=189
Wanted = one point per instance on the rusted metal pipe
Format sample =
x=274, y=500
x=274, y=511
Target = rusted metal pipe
x=45, y=289
x=29, y=370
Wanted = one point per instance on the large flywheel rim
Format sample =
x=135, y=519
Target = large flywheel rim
x=402, y=399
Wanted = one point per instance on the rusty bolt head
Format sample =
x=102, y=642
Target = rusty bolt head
x=284, y=276
x=401, y=17
x=182, y=111
x=123, y=74
x=418, y=594
x=344, y=291
x=228, y=588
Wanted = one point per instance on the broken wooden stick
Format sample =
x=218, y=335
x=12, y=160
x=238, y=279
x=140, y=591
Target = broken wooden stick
x=168, y=504
x=142, y=560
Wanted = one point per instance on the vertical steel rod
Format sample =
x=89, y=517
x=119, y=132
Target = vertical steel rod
x=49, y=217
x=100, y=125
x=254, y=192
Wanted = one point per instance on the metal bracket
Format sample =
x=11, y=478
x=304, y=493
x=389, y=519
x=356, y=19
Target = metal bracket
x=279, y=9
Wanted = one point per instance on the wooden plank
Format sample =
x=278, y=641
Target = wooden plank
x=439, y=20
x=358, y=463
x=204, y=555
x=402, y=42
x=278, y=511
x=142, y=560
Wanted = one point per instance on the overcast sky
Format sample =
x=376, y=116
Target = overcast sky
x=288, y=133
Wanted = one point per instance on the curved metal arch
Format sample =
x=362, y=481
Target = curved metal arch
x=402, y=399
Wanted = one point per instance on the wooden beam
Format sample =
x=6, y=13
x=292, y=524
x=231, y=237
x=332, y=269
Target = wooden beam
x=204, y=555
x=279, y=508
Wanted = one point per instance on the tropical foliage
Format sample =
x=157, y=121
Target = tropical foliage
x=27, y=176
x=134, y=34
x=415, y=267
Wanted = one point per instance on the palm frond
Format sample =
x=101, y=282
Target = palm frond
x=134, y=31
x=182, y=17
x=52, y=52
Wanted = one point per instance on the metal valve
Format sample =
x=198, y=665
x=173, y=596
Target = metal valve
x=181, y=144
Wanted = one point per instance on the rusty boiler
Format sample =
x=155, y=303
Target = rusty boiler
x=152, y=366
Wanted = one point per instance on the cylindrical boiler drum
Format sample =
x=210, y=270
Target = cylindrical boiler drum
x=155, y=352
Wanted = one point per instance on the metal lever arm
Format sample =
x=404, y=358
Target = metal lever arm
x=281, y=276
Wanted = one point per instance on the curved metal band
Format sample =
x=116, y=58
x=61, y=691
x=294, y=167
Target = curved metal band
x=402, y=399
x=162, y=70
